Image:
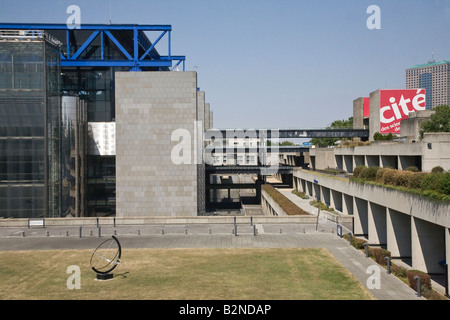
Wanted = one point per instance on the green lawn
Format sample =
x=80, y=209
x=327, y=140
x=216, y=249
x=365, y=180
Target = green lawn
x=172, y=274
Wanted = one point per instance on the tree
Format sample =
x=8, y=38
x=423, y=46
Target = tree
x=338, y=124
x=439, y=121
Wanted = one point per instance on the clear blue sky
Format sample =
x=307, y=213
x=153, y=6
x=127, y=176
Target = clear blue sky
x=277, y=63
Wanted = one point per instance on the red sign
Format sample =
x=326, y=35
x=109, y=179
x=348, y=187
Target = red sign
x=366, y=108
x=395, y=105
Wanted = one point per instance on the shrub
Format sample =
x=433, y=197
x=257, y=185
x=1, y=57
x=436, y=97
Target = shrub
x=357, y=171
x=389, y=177
x=317, y=204
x=431, y=181
x=398, y=271
x=445, y=183
x=437, y=169
x=300, y=194
x=380, y=174
x=378, y=254
x=412, y=169
x=356, y=242
x=369, y=174
x=425, y=279
x=381, y=137
x=415, y=180
x=402, y=178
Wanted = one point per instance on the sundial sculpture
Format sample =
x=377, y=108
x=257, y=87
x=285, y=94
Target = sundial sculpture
x=105, y=258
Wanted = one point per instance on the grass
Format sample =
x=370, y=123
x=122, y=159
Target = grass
x=179, y=274
x=287, y=205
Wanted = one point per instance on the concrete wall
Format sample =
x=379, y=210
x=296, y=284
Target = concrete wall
x=358, y=113
x=207, y=116
x=436, y=151
x=374, y=115
x=322, y=158
x=150, y=107
x=409, y=226
x=410, y=127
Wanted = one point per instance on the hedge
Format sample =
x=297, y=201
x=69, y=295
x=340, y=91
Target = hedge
x=402, y=178
x=378, y=254
x=398, y=271
x=415, y=181
x=425, y=279
x=369, y=174
x=435, y=185
x=357, y=171
x=380, y=174
x=436, y=182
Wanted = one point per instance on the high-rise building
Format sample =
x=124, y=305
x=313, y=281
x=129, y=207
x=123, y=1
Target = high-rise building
x=434, y=77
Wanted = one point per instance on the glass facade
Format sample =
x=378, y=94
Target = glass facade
x=29, y=129
x=101, y=188
x=426, y=82
x=73, y=156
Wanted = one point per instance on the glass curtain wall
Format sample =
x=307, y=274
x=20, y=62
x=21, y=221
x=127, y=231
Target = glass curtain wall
x=29, y=129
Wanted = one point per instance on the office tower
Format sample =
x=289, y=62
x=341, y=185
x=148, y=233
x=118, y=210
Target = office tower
x=434, y=77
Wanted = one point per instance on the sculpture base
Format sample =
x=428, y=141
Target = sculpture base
x=104, y=276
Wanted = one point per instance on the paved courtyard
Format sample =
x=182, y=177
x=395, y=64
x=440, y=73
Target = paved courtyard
x=287, y=235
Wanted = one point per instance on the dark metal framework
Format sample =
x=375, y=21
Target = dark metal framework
x=288, y=133
x=142, y=53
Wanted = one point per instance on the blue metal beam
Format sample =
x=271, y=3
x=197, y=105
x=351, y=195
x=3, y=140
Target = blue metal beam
x=51, y=26
x=134, y=61
x=153, y=45
x=117, y=43
x=115, y=63
x=85, y=45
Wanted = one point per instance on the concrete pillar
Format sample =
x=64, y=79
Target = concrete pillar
x=325, y=196
x=398, y=228
x=316, y=193
x=347, y=204
x=377, y=224
x=348, y=163
x=303, y=186
x=360, y=222
x=336, y=200
x=428, y=246
x=339, y=162
x=309, y=186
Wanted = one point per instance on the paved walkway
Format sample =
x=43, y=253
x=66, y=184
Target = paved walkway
x=212, y=236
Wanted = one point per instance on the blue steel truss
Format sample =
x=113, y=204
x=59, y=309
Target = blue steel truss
x=134, y=60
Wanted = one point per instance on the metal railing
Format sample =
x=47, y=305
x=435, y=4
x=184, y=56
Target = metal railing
x=30, y=35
